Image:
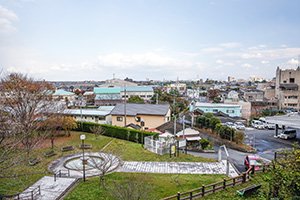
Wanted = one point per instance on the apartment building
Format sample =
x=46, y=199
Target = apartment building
x=287, y=88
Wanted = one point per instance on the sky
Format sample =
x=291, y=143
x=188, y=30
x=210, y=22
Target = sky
x=64, y=40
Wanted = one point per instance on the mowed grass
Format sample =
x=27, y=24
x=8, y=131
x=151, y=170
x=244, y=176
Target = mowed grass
x=156, y=186
x=129, y=151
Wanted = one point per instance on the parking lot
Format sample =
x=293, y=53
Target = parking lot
x=266, y=144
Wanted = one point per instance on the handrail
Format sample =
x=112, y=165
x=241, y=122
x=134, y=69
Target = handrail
x=32, y=193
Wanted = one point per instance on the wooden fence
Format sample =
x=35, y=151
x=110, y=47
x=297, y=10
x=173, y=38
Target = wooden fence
x=30, y=195
x=215, y=187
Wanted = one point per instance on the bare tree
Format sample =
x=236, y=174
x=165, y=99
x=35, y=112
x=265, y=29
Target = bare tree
x=97, y=130
x=109, y=163
x=133, y=188
x=25, y=103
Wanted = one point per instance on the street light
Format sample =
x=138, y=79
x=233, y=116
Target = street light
x=82, y=138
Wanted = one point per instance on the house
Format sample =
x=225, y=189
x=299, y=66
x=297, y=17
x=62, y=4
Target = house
x=100, y=115
x=62, y=95
x=230, y=109
x=107, y=96
x=145, y=115
x=144, y=92
x=168, y=127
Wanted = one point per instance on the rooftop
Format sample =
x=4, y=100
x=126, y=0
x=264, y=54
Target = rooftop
x=61, y=92
x=216, y=105
x=87, y=112
x=141, y=109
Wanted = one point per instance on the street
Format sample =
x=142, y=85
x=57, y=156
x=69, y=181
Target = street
x=262, y=140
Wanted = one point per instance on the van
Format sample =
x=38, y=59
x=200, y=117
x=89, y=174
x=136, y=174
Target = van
x=257, y=124
x=288, y=134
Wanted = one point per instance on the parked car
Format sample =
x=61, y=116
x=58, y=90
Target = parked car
x=239, y=125
x=257, y=124
x=254, y=160
x=230, y=124
x=267, y=125
x=288, y=134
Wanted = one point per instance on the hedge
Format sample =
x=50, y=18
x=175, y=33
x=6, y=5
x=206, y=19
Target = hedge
x=116, y=131
x=208, y=120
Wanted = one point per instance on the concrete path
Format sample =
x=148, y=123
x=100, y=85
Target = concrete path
x=49, y=189
x=178, y=168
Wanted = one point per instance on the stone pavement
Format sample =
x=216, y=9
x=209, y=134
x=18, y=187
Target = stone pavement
x=50, y=189
x=178, y=167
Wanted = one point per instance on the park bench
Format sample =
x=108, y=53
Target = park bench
x=85, y=146
x=49, y=153
x=33, y=161
x=248, y=190
x=67, y=148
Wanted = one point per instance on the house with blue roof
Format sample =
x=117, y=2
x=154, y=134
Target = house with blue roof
x=68, y=97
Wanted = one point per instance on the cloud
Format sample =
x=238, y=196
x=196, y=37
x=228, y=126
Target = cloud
x=7, y=20
x=264, y=62
x=230, y=45
x=246, y=65
x=219, y=61
x=212, y=50
x=293, y=62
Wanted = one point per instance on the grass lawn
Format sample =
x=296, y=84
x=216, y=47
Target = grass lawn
x=126, y=150
x=156, y=186
x=231, y=193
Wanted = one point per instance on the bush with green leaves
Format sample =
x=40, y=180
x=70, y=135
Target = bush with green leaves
x=116, y=131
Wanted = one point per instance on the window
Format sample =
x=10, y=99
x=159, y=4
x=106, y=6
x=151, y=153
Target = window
x=229, y=111
x=284, y=81
x=142, y=96
x=292, y=80
x=119, y=119
x=215, y=110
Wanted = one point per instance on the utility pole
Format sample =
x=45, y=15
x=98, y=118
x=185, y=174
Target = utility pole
x=125, y=106
x=183, y=126
x=156, y=98
x=174, y=116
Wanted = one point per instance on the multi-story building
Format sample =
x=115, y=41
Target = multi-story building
x=287, y=88
x=229, y=109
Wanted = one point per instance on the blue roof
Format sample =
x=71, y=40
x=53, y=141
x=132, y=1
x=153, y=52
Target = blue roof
x=106, y=90
x=61, y=92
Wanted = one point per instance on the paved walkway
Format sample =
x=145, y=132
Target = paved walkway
x=50, y=189
x=178, y=168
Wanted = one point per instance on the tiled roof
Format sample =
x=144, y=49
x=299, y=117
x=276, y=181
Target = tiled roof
x=142, y=109
x=169, y=127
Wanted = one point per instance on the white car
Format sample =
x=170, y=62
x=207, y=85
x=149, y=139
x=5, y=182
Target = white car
x=267, y=125
x=288, y=134
x=257, y=124
x=239, y=125
x=231, y=125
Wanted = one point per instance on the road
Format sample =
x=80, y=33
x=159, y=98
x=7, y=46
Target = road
x=262, y=140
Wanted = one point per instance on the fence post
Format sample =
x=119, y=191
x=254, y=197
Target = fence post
x=19, y=196
x=264, y=168
x=203, y=190
x=252, y=169
x=191, y=195
x=39, y=189
x=55, y=177
x=233, y=181
x=244, y=177
x=224, y=183
x=59, y=173
x=68, y=172
x=32, y=194
x=178, y=195
x=214, y=188
x=275, y=155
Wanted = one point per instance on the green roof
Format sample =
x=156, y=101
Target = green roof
x=115, y=90
x=61, y=92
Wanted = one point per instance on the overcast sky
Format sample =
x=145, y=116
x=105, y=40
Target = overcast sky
x=155, y=39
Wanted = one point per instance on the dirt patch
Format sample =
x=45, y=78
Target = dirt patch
x=58, y=141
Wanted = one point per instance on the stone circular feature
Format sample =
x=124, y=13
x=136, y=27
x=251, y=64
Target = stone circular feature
x=96, y=163
x=91, y=162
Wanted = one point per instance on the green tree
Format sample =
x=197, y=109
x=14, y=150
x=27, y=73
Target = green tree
x=135, y=99
x=284, y=182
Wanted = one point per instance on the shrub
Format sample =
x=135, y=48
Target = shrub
x=204, y=143
x=117, y=132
